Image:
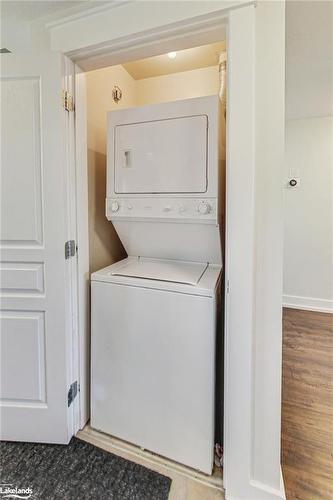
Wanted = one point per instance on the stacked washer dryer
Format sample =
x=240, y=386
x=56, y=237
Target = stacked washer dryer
x=154, y=314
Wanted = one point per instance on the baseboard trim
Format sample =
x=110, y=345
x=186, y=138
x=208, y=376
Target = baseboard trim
x=282, y=486
x=269, y=491
x=307, y=303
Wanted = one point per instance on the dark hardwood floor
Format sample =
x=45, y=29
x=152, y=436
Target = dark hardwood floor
x=307, y=405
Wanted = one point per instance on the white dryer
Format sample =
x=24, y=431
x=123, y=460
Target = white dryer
x=154, y=313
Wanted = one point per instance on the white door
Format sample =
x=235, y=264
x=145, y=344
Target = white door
x=162, y=156
x=35, y=324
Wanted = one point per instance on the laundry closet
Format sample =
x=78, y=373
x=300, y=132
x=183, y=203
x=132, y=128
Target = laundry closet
x=156, y=177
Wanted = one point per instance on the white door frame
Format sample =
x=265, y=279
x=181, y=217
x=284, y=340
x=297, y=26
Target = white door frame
x=70, y=159
x=209, y=30
x=78, y=278
x=251, y=461
x=82, y=238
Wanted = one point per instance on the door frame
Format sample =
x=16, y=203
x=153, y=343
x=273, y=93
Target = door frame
x=208, y=30
x=82, y=239
x=72, y=268
x=247, y=473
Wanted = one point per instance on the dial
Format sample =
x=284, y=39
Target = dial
x=204, y=207
x=114, y=206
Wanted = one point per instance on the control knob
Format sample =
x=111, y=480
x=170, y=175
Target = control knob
x=204, y=207
x=114, y=206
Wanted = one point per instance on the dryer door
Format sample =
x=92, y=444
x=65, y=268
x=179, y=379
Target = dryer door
x=161, y=156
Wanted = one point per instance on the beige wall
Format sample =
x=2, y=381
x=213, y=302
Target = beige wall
x=104, y=244
x=99, y=89
x=195, y=83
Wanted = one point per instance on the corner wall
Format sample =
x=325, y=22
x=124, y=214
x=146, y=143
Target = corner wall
x=104, y=244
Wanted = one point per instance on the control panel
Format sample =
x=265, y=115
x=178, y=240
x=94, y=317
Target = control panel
x=198, y=209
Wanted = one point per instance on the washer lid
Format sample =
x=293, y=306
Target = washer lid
x=188, y=273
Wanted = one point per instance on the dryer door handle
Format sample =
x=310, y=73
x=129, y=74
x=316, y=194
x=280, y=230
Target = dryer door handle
x=127, y=158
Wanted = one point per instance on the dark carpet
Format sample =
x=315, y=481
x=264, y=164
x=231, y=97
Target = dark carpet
x=77, y=471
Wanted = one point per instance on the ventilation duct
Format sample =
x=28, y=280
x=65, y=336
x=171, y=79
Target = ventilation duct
x=223, y=80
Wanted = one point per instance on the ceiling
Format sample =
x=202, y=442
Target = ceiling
x=309, y=58
x=188, y=59
x=31, y=10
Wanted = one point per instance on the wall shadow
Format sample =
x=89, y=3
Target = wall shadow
x=105, y=247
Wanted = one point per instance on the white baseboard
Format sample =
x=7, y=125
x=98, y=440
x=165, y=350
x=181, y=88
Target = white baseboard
x=307, y=303
x=282, y=487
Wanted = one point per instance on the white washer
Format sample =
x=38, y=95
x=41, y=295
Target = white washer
x=153, y=356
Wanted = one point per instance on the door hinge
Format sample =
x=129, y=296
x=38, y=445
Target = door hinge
x=70, y=249
x=67, y=101
x=72, y=393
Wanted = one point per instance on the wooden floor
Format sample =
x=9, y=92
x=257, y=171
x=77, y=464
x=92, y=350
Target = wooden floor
x=307, y=408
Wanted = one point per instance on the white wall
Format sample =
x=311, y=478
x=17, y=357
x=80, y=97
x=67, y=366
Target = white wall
x=14, y=33
x=309, y=58
x=308, y=239
x=122, y=19
x=308, y=209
